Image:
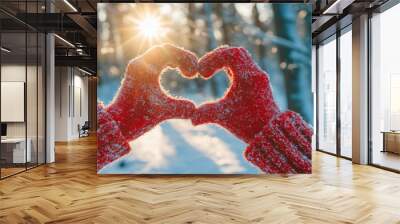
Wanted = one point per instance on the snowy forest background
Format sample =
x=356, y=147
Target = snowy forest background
x=277, y=35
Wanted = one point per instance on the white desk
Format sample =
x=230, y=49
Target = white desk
x=18, y=150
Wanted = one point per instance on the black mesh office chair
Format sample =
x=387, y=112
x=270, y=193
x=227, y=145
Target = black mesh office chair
x=84, y=130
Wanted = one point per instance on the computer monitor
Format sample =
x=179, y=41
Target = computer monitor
x=3, y=129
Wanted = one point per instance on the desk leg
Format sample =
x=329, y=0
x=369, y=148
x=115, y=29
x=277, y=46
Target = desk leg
x=384, y=142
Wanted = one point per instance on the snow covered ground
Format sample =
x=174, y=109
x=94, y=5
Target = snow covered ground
x=178, y=147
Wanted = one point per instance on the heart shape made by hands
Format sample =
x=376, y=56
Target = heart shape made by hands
x=246, y=106
x=196, y=89
x=248, y=110
x=278, y=142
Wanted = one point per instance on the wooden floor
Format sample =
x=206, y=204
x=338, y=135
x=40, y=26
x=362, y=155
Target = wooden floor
x=5, y=172
x=387, y=159
x=69, y=191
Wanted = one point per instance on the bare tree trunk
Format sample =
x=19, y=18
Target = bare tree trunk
x=298, y=87
x=269, y=63
x=211, y=41
x=261, y=49
x=191, y=17
x=226, y=23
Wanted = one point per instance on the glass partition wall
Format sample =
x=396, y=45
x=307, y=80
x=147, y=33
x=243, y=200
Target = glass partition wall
x=13, y=88
x=327, y=96
x=346, y=74
x=334, y=93
x=22, y=77
x=385, y=89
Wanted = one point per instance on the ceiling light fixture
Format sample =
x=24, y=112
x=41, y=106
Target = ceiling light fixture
x=333, y=6
x=65, y=41
x=84, y=71
x=5, y=50
x=70, y=5
x=337, y=7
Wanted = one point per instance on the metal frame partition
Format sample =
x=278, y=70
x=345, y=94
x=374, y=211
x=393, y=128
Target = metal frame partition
x=339, y=31
x=40, y=118
x=388, y=4
x=337, y=34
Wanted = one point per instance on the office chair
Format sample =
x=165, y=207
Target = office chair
x=84, y=130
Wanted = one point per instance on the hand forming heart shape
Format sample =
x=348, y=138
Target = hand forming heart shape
x=248, y=104
x=278, y=142
x=140, y=103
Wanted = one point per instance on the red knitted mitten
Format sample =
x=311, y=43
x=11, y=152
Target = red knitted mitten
x=141, y=103
x=248, y=107
x=111, y=142
x=283, y=146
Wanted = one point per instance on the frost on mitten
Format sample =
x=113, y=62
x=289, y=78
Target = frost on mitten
x=283, y=146
x=111, y=142
x=140, y=103
x=279, y=142
x=248, y=105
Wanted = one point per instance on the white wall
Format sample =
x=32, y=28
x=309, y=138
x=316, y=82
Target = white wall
x=70, y=84
x=80, y=100
x=62, y=81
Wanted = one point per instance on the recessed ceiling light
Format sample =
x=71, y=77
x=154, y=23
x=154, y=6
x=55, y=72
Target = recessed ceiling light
x=70, y=5
x=337, y=7
x=84, y=71
x=5, y=50
x=65, y=41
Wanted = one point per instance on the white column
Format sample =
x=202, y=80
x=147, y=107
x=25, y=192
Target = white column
x=50, y=92
x=360, y=90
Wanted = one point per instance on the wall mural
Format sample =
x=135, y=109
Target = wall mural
x=204, y=88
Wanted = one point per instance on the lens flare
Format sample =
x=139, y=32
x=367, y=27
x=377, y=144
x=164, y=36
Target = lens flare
x=146, y=29
x=149, y=27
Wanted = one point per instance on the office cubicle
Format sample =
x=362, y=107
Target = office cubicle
x=22, y=77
